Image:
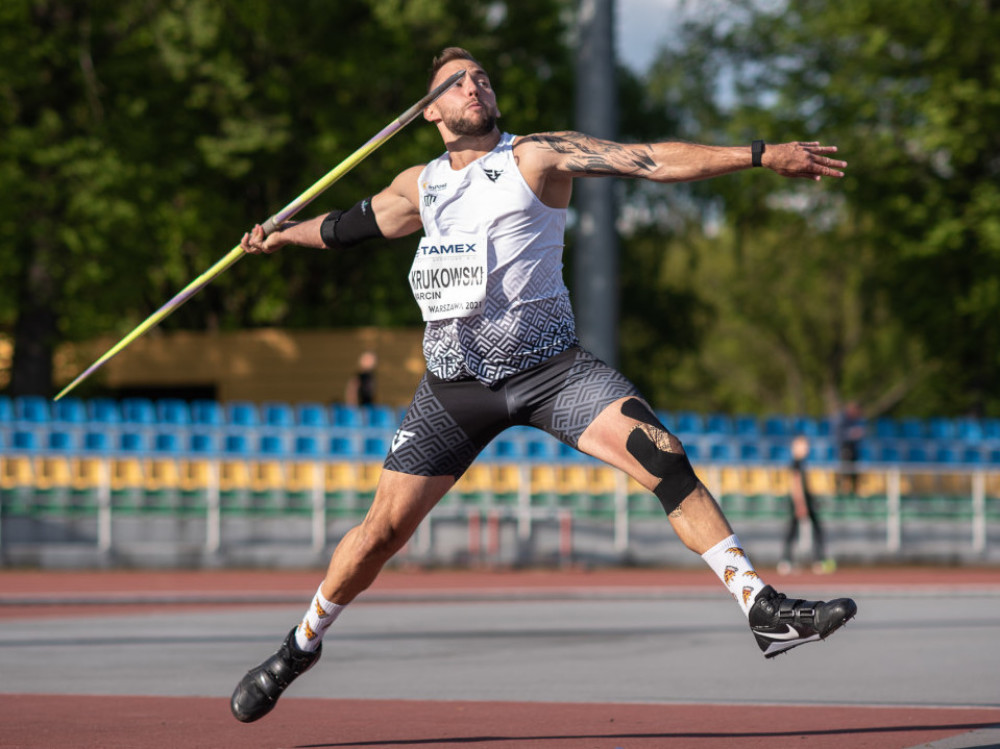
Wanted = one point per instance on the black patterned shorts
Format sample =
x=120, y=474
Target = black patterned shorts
x=450, y=421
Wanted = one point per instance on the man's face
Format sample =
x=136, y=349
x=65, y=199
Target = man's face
x=470, y=106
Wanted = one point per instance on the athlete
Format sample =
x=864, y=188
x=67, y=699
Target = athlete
x=501, y=349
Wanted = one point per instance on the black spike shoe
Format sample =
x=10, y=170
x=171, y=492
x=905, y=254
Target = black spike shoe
x=258, y=691
x=779, y=623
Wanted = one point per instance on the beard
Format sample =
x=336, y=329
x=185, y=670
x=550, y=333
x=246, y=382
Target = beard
x=473, y=126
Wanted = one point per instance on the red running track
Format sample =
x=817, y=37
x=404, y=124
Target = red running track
x=46, y=721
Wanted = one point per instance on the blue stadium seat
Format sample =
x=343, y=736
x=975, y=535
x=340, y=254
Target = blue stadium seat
x=277, y=414
x=776, y=426
x=885, y=428
x=31, y=408
x=947, y=454
x=69, y=411
x=969, y=430
x=202, y=442
x=539, y=448
x=104, y=411
x=311, y=415
x=173, y=411
x=746, y=426
x=779, y=453
x=242, y=413
x=693, y=452
x=718, y=424
x=825, y=427
x=236, y=443
x=272, y=444
x=916, y=455
x=805, y=425
x=889, y=454
x=167, y=442
x=749, y=451
x=972, y=455
x=991, y=429
x=383, y=417
x=940, y=428
x=96, y=442
x=131, y=442
x=507, y=448
x=375, y=447
x=25, y=439
x=911, y=429
x=207, y=412
x=346, y=416
x=138, y=411
x=341, y=445
x=306, y=444
x=61, y=440
x=6, y=410
x=688, y=422
x=721, y=452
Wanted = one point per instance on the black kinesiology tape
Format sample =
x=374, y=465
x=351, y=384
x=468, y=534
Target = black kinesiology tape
x=677, y=477
x=343, y=229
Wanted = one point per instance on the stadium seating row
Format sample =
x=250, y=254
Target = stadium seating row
x=203, y=412
x=519, y=443
x=183, y=486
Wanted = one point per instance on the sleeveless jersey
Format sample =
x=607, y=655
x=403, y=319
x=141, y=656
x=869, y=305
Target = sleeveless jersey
x=525, y=315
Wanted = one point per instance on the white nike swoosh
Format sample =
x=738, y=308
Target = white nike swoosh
x=790, y=633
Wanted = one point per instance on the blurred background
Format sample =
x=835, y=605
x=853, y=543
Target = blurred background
x=140, y=138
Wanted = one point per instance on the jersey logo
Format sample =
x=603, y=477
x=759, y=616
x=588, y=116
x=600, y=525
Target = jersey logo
x=399, y=438
x=430, y=199
x=493, y=174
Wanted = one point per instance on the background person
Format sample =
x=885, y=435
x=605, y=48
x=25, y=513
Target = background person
x=803, y=514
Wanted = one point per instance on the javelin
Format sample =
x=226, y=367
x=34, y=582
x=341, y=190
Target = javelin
x=269, y=226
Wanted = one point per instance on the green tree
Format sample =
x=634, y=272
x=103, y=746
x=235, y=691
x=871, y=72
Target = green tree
x=142, y=138
x=882, y=286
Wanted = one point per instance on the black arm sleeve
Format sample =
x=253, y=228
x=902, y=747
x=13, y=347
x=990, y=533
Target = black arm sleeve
x=343, y=229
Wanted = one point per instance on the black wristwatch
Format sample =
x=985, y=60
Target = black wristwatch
x=757, y=152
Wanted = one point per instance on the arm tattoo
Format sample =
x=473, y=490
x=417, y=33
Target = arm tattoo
x=587, y=155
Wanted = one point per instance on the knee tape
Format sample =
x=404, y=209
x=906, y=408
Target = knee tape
x=649, y=443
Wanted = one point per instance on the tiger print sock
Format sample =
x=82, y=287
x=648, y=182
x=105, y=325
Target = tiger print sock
x=733, y=567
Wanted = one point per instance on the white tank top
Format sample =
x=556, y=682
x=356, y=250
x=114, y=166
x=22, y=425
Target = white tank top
x=524, y=316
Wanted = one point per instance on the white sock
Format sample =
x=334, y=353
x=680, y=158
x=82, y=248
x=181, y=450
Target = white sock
x=733, y=567
x=320, y=615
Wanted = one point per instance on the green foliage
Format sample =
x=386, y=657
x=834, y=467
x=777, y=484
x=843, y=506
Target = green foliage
x=141, y=139
x=882, y=286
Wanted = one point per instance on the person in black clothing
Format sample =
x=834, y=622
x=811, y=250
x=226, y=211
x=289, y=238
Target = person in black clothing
x=361, y=386
x=803, y=509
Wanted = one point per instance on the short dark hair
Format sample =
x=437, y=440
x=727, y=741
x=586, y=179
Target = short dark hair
x=447, y=55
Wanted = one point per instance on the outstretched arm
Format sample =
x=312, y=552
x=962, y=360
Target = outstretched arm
x=395, y=210
x=572, y=154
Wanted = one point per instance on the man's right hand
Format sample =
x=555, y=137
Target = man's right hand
x=256, y=243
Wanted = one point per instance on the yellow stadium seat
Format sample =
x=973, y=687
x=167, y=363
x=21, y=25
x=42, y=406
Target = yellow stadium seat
x=196, y=475
x=544, y=485
x=303, y=476
x=475, y=486
x=234, y=476
x=89, y=473
x=162, y=474
x=267, y=476
x=505, y=480
x=53, y=472
x=17, y=472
